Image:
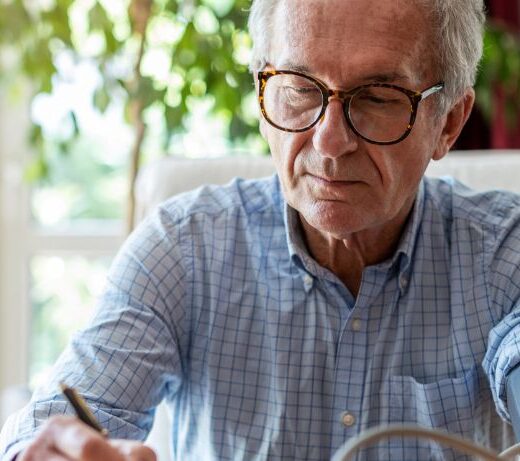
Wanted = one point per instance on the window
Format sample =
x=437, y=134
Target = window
x=59, y=235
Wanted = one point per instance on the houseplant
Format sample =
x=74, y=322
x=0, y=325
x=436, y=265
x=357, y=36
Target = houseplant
x=205, y=47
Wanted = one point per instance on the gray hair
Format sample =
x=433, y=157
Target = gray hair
x=457, y=34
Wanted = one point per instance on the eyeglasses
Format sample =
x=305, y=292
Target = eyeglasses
x=379, y=113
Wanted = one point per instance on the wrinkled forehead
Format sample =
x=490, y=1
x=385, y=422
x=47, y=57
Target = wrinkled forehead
x=322, y=35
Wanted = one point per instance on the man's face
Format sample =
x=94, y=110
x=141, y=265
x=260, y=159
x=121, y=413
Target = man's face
x=338, y=182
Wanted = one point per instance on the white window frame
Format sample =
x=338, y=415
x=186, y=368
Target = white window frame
x=21, y=240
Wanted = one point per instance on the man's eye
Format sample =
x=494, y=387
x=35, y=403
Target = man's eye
x=376, y=100
x=300, y=90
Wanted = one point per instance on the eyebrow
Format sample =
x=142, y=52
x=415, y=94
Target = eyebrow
x=380, y=77
x=296, y=67
x=385, y=77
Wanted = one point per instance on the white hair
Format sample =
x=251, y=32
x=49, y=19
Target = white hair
x=457, y=27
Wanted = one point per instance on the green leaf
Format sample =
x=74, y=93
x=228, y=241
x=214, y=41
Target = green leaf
x=15, y=22
x=75, y=123
x=173, y=118
x=172, y=6
x=36, y=170
x=58, y=19
x=147, y=94
x=98, y=18
x=101, y=99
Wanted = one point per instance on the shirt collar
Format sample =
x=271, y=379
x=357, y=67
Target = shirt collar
x=403, y=256
x=401, y=260
x=297, y=248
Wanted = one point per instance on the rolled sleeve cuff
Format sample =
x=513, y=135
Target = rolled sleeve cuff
x=13, y=437
x=503, y=355
x=14, y=450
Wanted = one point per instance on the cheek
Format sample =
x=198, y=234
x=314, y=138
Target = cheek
x=419, y=147
x=400, y=168
x=264, y=129
x=285, y=150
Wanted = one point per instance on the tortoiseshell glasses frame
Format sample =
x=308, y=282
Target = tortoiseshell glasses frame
x=414, y=97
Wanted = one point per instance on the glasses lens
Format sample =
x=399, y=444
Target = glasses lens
x=291, y=101
x=380, y=114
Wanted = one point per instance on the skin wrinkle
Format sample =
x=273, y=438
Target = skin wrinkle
x=319, y=12
x=354, y=197
x=387, y=77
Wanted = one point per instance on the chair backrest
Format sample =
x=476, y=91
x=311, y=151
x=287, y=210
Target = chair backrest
x=491, y=169
x=481, y=169
x=173, y=175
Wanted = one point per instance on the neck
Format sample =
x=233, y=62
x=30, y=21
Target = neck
x=349, y=255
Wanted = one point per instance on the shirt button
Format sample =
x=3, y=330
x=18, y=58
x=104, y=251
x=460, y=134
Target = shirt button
x=356, y=325
x=348, y=419
x=403, y=281
x=307, y=279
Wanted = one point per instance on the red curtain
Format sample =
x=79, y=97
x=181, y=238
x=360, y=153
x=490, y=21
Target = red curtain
x=477, y=133
x=507, y=12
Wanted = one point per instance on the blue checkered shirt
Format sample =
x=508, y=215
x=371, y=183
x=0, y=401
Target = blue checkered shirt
x=216, y=305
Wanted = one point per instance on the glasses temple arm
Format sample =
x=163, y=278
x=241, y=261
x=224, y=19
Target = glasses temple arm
x=433, y=89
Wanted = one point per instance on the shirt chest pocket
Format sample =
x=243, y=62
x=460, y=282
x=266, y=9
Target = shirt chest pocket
x=447, y=404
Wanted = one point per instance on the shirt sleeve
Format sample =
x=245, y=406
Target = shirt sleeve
x=503, y=355
x=503, y=348
x=129, y=356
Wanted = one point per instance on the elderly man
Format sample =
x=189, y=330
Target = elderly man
x=281, y=317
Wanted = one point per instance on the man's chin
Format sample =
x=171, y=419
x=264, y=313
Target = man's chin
x=336, y=220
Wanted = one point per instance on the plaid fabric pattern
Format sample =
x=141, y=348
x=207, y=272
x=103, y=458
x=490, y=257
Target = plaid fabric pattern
x=215, y=304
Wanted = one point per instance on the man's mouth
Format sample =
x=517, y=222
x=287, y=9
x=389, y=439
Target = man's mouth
x=332, y=181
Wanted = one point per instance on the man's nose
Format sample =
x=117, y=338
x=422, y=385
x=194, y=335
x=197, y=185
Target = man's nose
x=332, y=136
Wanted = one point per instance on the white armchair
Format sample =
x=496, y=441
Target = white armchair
x=482, y=169
x=158, y=181
x=173, y=175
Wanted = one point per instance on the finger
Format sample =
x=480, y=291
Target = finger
x=134, y=451
x=77, y=441
x=54, y=456
x=40, y=449
x=37, y=452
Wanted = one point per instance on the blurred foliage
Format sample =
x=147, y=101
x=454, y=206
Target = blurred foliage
x=82, y=186
x=500, y=69
x=193, y=50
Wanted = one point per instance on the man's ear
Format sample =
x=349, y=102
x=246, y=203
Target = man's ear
x=454, y=121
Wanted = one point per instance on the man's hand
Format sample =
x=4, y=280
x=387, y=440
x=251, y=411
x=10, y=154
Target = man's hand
x=65, y=438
